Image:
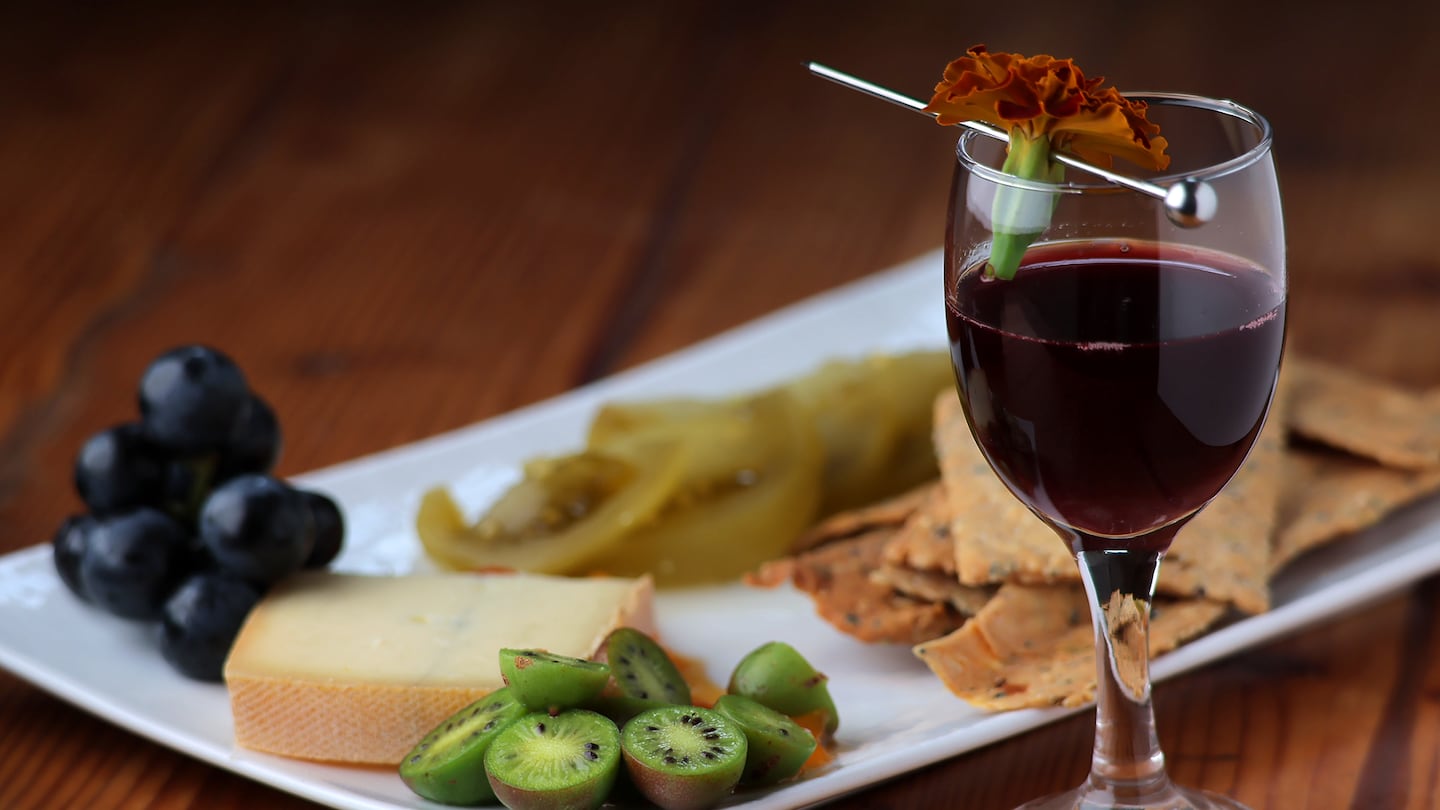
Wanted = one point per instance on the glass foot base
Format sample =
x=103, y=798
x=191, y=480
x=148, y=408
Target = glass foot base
x=1172, y=798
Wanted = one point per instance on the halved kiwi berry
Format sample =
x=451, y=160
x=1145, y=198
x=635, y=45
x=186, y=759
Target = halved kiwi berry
x=448, y=766
x=547, y=682
x=777, y=675
x=683, y=757
x=777, y=747
x=643, y=676
x=545, y=762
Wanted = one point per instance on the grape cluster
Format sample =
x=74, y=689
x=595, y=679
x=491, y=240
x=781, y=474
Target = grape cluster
x=184, y=524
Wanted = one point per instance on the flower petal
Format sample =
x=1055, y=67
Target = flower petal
x=1099, y=134
x=1044, y=96
x=976, y=87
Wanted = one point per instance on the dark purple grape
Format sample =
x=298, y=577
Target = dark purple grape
x=200, y=621
x=256, y=527
x=133, y=561
x=192, y=398
x=70, y=543
x=255, y=445
x=328, y=527
x=118, y=469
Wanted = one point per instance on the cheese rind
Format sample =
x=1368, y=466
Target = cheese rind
x=357, y=669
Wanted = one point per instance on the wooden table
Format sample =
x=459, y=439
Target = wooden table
x=403, y=218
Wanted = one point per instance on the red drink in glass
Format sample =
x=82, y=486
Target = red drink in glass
x=1115, y=386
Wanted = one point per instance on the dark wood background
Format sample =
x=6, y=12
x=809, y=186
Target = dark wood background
x=404, y=217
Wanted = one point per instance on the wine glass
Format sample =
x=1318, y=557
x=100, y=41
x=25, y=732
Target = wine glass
x=1119, y=379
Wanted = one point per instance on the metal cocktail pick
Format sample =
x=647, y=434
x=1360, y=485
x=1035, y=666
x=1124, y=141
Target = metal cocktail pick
x=1189, y=203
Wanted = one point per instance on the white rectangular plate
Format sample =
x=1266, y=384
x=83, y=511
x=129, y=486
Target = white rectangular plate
x=896, y=716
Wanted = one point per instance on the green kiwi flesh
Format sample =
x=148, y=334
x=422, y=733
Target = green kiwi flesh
x=776, y=746
x=683, y=757
x=448, y=765
x=545, y=681
x=777, y=675
x=567, y=761
x=642, y=671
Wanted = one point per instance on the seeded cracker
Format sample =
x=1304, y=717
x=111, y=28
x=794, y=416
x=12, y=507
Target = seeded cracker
x=923, y=543
x=887, y=513
x=933, y=586
x=996, y=538
x=1328, y=494
x=837, y=577
x=1222, y=554
x=1365, y=416
x=771, y=573
x=1032, y=647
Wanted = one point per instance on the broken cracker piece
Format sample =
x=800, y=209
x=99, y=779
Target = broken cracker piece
x=1365, y=416
x=996, y=538
x=933, y=586
x=923, y=542
x=1033, y=647
x=889, y=512
x=1328, y=494
x=837, y=577
x=771, y=573
x=1222, y=554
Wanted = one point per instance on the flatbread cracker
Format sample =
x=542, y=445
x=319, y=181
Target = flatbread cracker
x=1328, y=494
x=1032, y=646
x=1365, y=416
x=933, y=586
x=923, y=542
x=1222, y=554
x=837, y=577
x=996, y=538
x=889, y=512
x=771, y=573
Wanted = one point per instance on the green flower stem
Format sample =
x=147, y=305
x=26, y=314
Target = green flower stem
x=1020, y=215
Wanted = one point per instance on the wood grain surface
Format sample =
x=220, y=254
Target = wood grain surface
x=401, y=218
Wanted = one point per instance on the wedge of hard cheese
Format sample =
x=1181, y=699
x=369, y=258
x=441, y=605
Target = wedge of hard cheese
x=358, y=669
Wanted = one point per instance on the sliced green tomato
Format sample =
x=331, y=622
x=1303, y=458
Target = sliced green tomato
x=874, y=417
x=722, y=530
x=912, y=382
x=720, y=438
x=620, y=421
x=852, y=414
x=561, y=517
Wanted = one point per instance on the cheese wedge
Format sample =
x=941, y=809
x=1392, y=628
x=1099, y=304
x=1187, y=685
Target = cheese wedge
x=357, y=669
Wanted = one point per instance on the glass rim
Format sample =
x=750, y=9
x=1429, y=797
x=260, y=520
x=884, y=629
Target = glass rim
x=1220, y=106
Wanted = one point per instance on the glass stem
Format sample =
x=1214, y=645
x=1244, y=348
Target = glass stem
x=1128, y=763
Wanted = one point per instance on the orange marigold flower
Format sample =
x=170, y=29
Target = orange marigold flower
x=1051, y=98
